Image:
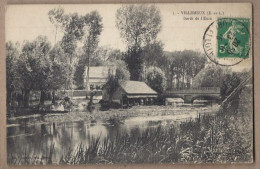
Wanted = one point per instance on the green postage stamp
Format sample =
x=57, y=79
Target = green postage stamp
x=233, y=38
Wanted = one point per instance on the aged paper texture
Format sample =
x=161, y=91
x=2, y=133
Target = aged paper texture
x=123, y=84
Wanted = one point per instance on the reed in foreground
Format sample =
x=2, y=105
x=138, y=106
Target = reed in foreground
x=206, y=139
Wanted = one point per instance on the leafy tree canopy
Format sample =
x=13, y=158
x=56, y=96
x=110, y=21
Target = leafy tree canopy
x=117, y=75
x=138, y=24
x=155, y=78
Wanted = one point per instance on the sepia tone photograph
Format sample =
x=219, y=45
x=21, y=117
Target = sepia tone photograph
x=129, y=84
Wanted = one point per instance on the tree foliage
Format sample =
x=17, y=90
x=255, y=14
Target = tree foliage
x=12, y=81
x=138, y=24
x=105, y=55
x=118, y=74
x=152, y=53
x=211, y=76
x=78, y=74
x=33, y=67
x=56, y=16
x=92, y=29
x=85, y=29
x=37, y=67
x=222, y=77
x=134, y=60
x=60, y=68
x=12, y=54
x=182, y=67
x=34, y=64
x=155, y=78
x=230, y=81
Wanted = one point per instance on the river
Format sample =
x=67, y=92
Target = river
x=26, y=139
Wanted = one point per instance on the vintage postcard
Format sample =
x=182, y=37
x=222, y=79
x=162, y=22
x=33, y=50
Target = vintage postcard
x=129, y=83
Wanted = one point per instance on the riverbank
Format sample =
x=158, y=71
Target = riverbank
x=115, y=114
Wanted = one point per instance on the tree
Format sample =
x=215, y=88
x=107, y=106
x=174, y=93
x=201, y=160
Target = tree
x=114, y=55
x=138, y=26
x=151, y=56
x=41, y=68
x=72, y=27
x=60, y=70
x=152, y=53
x=12, y=54
x=103, y=56
x=93, y=29
x=230, y=86
x=78, y=28
x=182, y=66
x=118, y=74
x=193, y=63
x=78, y=75
x=56, y=18
x=33, y=67
x=211, y=76
x=134, y=60
x=156, y=79
x=230, y=81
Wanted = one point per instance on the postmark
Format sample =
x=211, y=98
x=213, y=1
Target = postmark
x=226, y=41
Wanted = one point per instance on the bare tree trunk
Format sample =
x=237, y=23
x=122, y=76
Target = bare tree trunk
x=26, y=94
x=8, y=96
x=183, y=81
x=178, y=83
x=188, y=82
x=87, y=80
x=53, y=100
x=55, y=34
x=42, y=98
x=171, y=84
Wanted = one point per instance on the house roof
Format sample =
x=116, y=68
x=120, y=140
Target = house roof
x=97, y=72
x=136, y=87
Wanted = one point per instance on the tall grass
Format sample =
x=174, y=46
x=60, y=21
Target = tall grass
x=206, y=139
x=226, y=137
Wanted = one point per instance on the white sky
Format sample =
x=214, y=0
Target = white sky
x=26, y=22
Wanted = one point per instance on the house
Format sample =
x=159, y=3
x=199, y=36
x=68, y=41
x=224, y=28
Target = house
x=132, y=93
x=98, y=76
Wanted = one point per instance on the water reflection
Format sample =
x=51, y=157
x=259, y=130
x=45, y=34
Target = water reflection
x=36, y=139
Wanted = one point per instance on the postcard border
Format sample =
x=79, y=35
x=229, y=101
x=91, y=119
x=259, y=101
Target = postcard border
x=256, y=79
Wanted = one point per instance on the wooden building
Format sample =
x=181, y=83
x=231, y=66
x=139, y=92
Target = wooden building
x=132, y=93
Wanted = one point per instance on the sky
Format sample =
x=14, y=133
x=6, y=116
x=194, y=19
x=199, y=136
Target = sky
x=26, y=22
